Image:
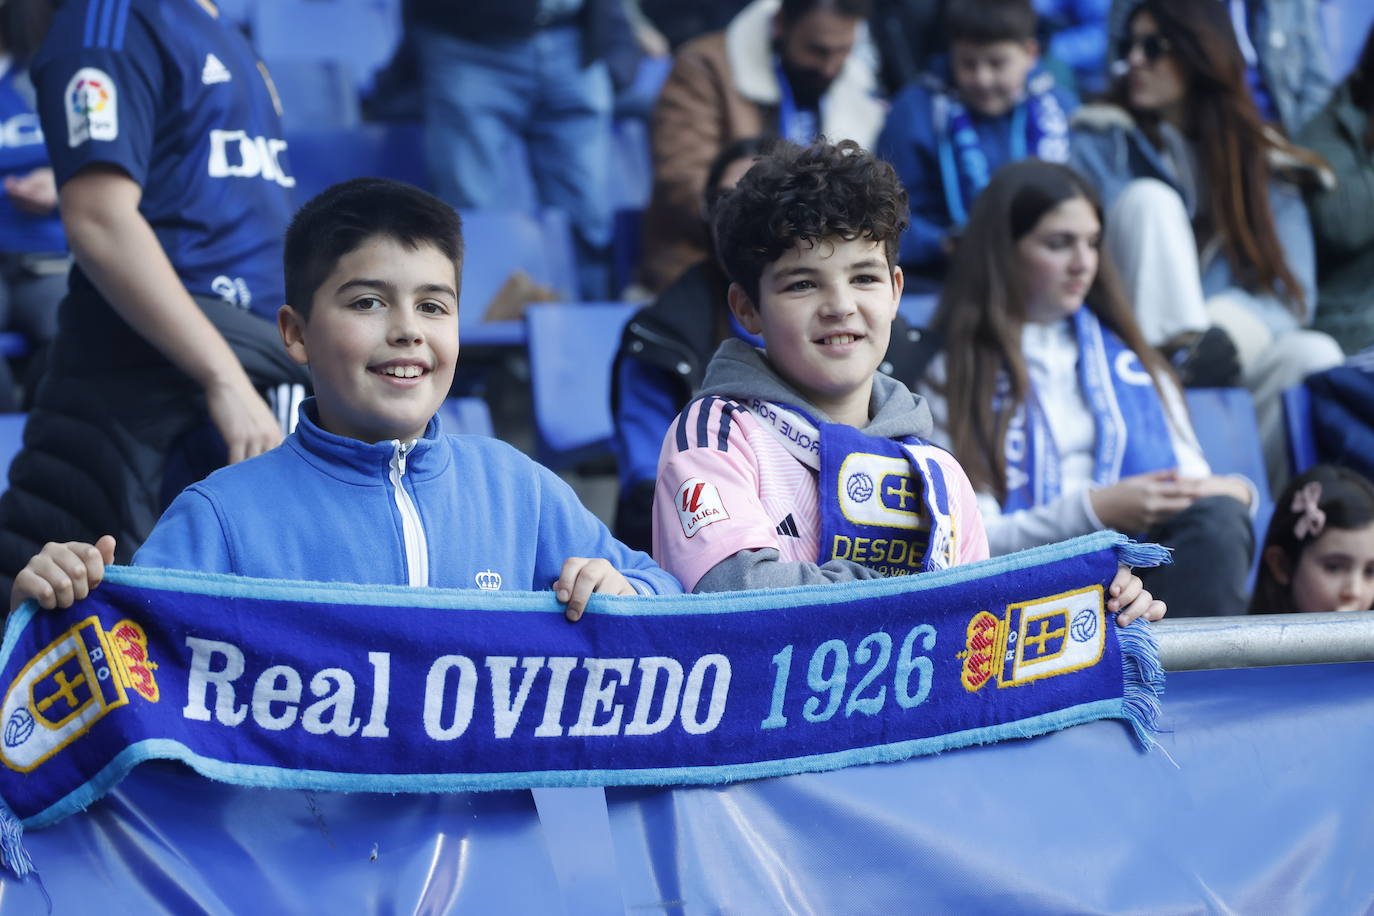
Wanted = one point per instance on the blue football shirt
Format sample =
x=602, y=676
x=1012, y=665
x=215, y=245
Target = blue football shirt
x=173, y=95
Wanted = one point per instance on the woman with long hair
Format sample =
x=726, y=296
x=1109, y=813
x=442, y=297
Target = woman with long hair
x=1342, y=133
x=1210, y=227
x=1064, y=418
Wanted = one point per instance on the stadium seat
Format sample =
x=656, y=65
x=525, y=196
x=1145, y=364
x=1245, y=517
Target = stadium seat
x=499, y=242
x=11, y=438
x=322, y=156
x=918, y=308
x=571, y=348
x=1224, y=419
x=1297, y=422
x=315, y=93
x=467, y=416
x=361, y=33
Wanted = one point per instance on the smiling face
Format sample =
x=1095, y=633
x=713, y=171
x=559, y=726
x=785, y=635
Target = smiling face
x=381, y=340
x=992, y=77
x=1335, y=572
x=1058, y=260
x=825, y=315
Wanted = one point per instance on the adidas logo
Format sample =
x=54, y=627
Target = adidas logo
x=214, y=71
x=787, y=527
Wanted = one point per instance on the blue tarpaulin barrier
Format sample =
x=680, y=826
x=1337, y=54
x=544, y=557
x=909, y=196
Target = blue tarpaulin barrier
x=1261, y=804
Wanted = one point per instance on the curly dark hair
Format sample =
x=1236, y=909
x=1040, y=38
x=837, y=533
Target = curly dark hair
x=807, y=193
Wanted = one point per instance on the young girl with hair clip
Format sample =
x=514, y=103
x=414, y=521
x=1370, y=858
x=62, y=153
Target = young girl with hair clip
x=1065, y=420
x=1209, y=231
x=1319, y=551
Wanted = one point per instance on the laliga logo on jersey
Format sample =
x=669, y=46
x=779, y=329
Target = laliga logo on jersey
x=66, y=688
x=699, y=505
x=234, y=154
x=1034, y=640
x=92, y=107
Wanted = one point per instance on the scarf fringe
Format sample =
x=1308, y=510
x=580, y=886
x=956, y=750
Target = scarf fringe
x=1144, y=681
x=1135, y=553
x=13, y=855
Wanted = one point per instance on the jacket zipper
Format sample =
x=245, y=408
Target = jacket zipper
x=416, y=544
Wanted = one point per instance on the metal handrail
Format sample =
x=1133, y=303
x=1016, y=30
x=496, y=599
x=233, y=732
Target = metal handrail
x=1201, y=643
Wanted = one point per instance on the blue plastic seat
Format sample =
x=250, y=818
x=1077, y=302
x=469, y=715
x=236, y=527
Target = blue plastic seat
x=315, y=93
x=1224, y=419
x=466, y=416
x=11, y=439
x=362, y=33
x=322, y=156
x=498, y=243
x=571, y=349
x=918, y=308
x=1297, y=422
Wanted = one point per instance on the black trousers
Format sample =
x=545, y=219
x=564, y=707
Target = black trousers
x=1213, y=543
x=107, y=413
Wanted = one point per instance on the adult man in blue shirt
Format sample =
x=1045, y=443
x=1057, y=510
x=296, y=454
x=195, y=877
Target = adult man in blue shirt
x=164, y=132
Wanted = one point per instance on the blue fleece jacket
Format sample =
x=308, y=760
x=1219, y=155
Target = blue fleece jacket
x=469, y=512
x=910, y=141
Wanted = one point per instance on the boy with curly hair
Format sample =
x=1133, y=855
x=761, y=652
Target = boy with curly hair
x=801, y=463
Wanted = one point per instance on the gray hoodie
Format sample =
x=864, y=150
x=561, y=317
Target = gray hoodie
x=741, y=372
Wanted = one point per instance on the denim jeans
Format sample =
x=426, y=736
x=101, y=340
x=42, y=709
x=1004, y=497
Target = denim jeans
x=520, y=124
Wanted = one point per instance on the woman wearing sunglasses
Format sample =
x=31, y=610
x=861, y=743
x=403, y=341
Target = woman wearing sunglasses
x=1208, y=225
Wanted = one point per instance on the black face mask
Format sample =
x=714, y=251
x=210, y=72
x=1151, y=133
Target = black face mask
x=807, y=85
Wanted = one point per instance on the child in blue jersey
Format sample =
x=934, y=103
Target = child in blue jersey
x=946, y=144
x=366, y=489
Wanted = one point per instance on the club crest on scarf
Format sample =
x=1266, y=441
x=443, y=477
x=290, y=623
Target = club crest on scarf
x=71, y=684
x=884, y=504
x=1033, y=640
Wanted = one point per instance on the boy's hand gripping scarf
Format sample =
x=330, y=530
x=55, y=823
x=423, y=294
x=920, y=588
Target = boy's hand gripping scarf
x=884, y=504
x=1132, y=432
x=392, y=689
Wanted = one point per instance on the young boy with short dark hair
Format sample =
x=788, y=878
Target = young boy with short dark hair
x=800, y=463
x=366, y=490
x=947, y=143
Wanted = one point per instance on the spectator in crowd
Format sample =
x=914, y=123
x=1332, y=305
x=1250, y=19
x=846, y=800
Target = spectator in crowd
x=1342, y=133
x=1206, y=223
x=165, y=142
x=665, y=350
x=1285, y=54
x=33, y=248
x=372, y=281
x=946, y=144
x=518, y=99
x=1319, y=552
x=1066, y=420
x=781, y=68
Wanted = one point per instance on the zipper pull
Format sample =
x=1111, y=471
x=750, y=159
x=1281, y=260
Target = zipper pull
x=398, y=460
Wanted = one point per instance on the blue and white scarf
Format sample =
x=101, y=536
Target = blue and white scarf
x=1039, y=128
x=884, y=504
x=379, y=688
x=1132, y=431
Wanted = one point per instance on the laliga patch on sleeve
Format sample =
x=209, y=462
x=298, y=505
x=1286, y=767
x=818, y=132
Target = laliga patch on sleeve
x=92, y=107
x=699, y=505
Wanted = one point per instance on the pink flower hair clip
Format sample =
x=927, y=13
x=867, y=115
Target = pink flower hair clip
x=1307, y=504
